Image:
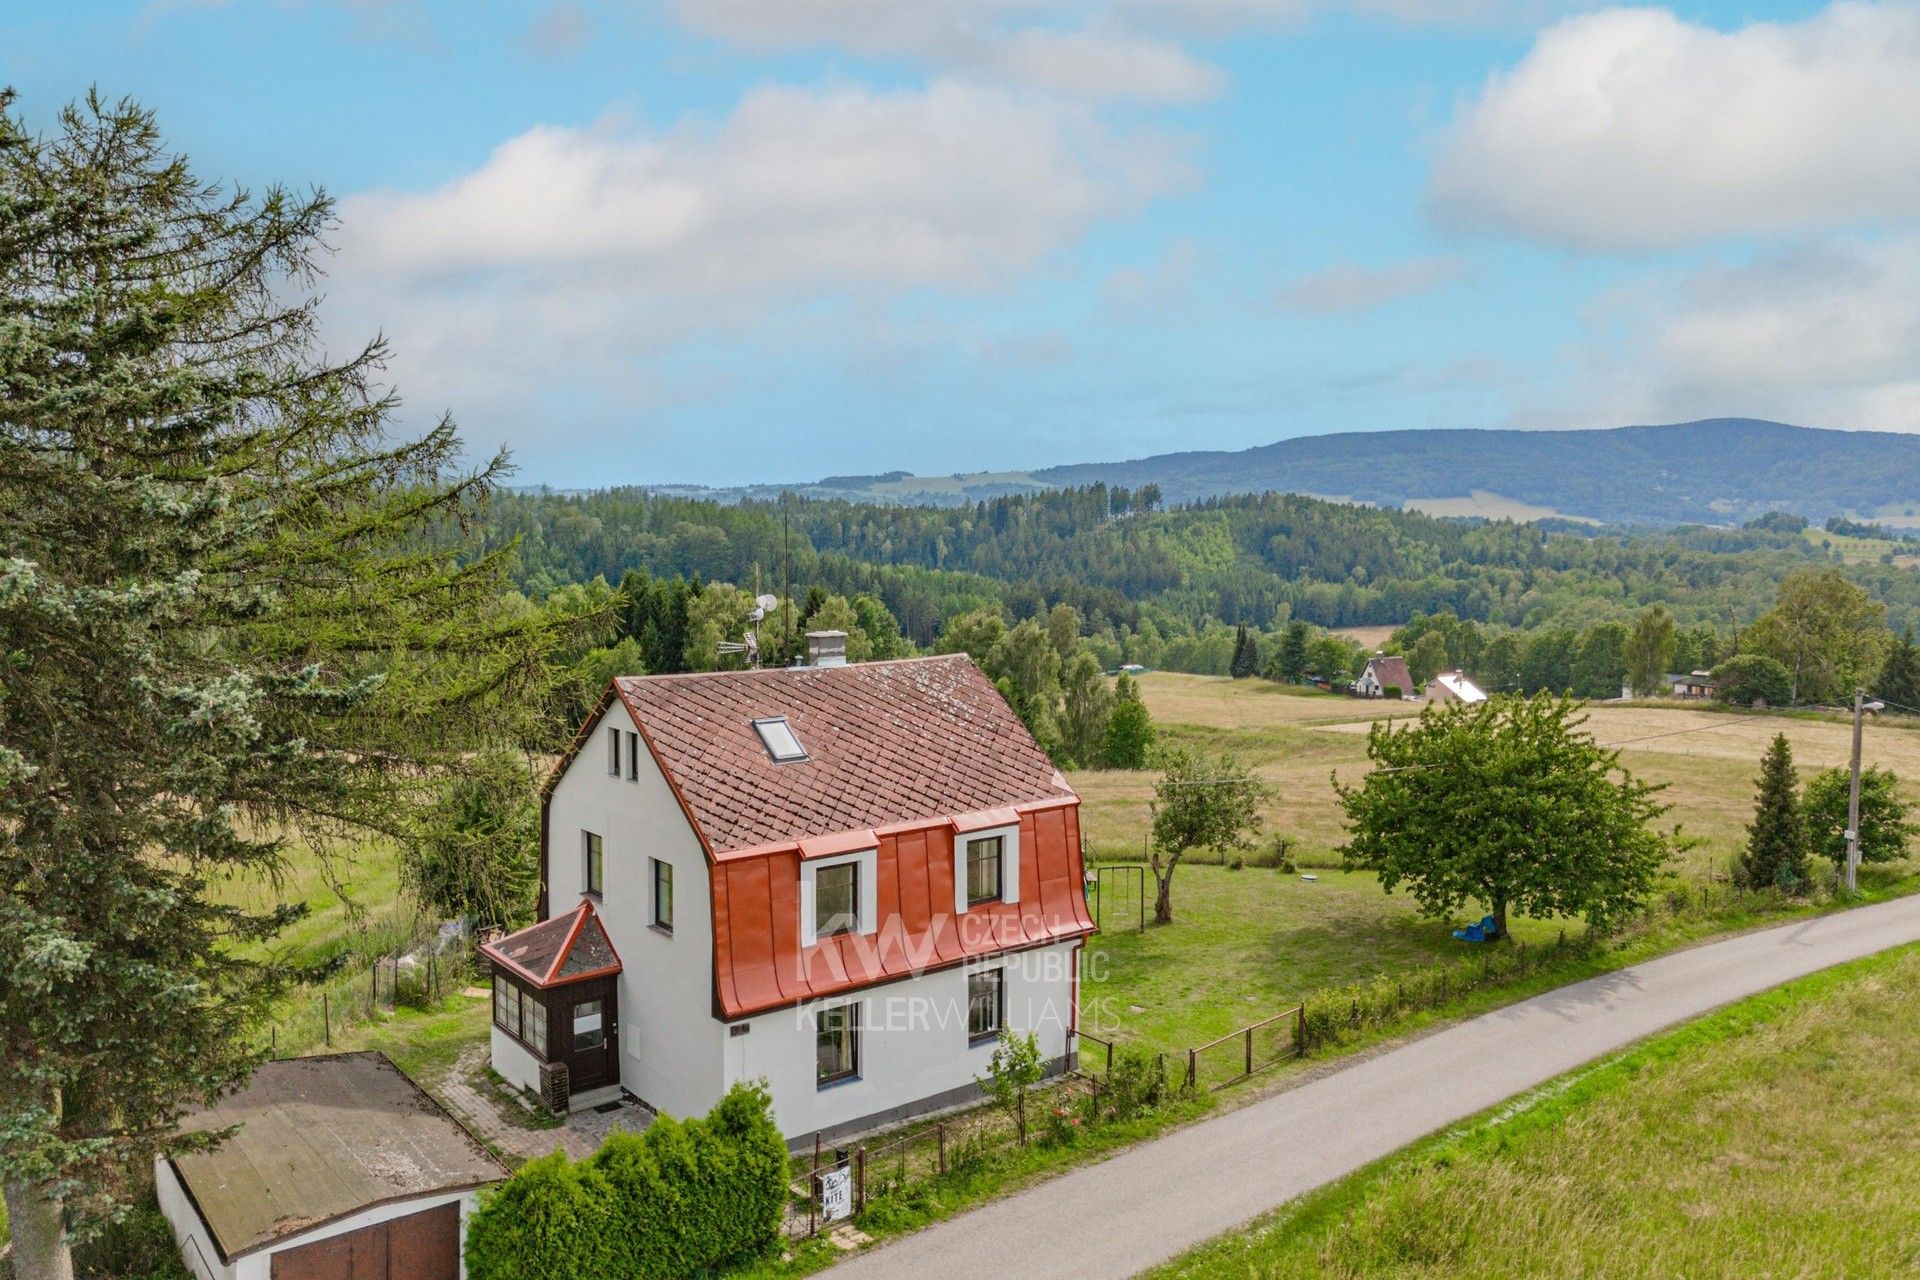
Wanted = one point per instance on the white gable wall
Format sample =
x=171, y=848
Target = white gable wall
x=670, y=1042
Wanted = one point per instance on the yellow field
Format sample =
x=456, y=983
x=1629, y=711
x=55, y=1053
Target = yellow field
x=1296, y=740
x=1366, y=637
x=1492, y=506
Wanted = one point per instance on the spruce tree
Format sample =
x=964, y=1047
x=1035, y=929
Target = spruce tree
x=1899, y=682
x=1246, y=654
x=1290, y=663
x=235, y=606
x=1777, y=845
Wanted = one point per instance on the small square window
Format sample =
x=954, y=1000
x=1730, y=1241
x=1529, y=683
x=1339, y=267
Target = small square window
x=986, y=1004
x=836, y=900
x=985, y=858
x=837, y=1044
x=777, y=736
x=595, y=875
x=663, y=895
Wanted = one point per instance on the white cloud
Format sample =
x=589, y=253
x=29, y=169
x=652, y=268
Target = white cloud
x=1823, y=333
x=1351, y=288
x=1631, y=128
x=578, y=258
x=1021, y=42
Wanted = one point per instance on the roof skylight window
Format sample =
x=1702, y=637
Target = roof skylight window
x=778, y=738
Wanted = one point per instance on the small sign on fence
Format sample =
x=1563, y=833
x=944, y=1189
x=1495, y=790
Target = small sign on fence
x=836, y=1194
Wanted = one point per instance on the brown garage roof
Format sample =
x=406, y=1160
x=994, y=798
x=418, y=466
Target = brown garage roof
x=321, y=1139
x=885, y=742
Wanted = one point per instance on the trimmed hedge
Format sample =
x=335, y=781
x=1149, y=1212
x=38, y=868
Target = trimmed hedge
x=684, y=1197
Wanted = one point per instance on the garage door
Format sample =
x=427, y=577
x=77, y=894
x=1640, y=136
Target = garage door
x=420, y=1246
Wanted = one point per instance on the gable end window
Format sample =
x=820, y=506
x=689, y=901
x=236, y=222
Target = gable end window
x=836, y=1044
x=836, y=900
x=633, y=757
x=594, y=877
x=662, y=896
x=986, y=1004
x=613, y=753
x=985, y=865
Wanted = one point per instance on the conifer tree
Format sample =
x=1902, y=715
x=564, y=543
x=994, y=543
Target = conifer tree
x=226, y=616
x=1290, y=663
x=1899, y=681
x=1246, y=654
x=1777, y=845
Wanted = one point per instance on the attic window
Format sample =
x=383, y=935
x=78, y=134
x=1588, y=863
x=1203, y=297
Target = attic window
x=777, y=736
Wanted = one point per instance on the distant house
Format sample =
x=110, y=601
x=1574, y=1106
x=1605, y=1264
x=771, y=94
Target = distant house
x=339, y=1166
x=1693, y=684
x=1453, y=686
x=842, y=879
x=1381, y=673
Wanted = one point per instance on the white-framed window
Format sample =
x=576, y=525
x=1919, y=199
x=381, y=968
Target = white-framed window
x=593, y=877
x=613, y=753
x=662, y=895
x=836, y=1044
x=506, y=1006
x=986, y=1004
x=986, y=867
x=837, y=896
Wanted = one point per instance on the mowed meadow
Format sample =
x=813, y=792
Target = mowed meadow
x=1250, y=942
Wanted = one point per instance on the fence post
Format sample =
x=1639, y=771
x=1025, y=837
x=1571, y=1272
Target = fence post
x=373, y=992
x=859, y=1179
x=1193, y=1068
x=273, y=1042
x=326, y=1017
x=1300, y=1029
x=1095, y=1082
x=1109, y=1059
x=432, y=986
x=940, y=1135
x=1249, y=1050
x=1020, y=1107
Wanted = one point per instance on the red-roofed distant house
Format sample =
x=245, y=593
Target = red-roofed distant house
x=1383, y=672
x=844, y=880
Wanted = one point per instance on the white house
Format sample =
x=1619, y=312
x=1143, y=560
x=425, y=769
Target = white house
x=1382, y=672
x=340, y=1167
x=844, y=880
x=1453, y=686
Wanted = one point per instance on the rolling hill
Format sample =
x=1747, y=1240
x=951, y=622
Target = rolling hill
x=1715, y=471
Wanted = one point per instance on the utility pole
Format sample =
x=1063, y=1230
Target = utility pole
x=1860, y=706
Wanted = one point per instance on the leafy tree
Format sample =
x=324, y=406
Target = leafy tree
x=720, y=614
x=836, y=613
x=1290, y=663
x=1087, y=703
x=1899, y=682
x=1885, y=829
x=1776, y=851
x=1826, y=631
x=880, y=627
x=1200, y=802
x=472, y=855
x=977, y=634
x=1063, y=628
x=1428, y=658
x=1649, y=651
x=1129, y=728
x=1246, y=654
x=1026, y=668
x=1599, y=662
x=235, y=604
x=1509, y=803
x=1335, y=657
x=1749, y=678
x=586, y=679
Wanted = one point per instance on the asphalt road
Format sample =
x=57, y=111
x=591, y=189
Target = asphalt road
x=1161, y=1198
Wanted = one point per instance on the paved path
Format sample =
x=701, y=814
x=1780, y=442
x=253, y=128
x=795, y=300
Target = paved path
x=1165, y=1196
x=486, y=1116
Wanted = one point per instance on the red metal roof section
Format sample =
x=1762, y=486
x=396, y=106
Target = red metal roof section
x=760, y=964
x=553, y=953
x=887, y=743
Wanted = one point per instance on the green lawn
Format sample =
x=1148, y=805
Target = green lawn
x=1779, y=1137
x=1246, y=944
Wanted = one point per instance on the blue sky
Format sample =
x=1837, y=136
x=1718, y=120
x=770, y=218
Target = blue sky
x=729, y=240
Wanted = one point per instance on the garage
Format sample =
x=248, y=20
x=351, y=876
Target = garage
x=338, y=1168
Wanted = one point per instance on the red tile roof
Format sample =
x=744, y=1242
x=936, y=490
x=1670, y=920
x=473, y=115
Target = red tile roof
x=555, y=952
x=886, y=743
x=1392, y=670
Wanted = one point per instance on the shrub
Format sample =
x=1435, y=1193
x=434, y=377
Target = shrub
x=682, y=1198
x=1014, y=1068
x=1391, y=692
x=1137, y=1083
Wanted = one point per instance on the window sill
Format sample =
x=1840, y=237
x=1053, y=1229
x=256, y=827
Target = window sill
x=593, y=896
x=984, y=1038
x=664, y=930
x=838, y=1082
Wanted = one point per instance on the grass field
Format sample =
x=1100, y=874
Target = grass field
x=1779, y=1137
